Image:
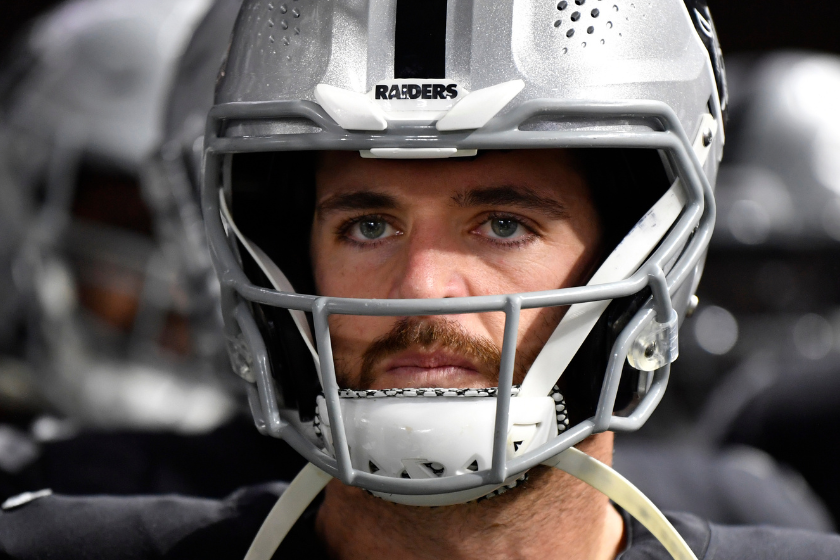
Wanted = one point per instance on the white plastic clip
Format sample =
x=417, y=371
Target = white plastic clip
x=657, y=345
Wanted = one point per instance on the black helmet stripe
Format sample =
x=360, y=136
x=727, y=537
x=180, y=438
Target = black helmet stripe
x=420, y=39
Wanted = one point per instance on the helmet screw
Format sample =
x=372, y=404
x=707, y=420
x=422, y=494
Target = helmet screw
x=692, y=306
x=707, y=138
x=649, y=350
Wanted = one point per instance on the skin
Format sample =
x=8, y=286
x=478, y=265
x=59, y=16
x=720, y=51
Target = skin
x=504, y=222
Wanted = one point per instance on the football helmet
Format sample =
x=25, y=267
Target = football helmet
x=407, y=80
x=117, y=332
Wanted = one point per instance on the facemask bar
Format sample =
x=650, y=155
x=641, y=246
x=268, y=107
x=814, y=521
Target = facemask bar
x=683, y=246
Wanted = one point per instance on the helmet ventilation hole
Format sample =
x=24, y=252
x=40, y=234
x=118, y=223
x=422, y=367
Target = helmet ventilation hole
x=404, y=474
x=373, y=468
x=436, y=468
x=285, y=23
x=588, y=18
x=473, y=466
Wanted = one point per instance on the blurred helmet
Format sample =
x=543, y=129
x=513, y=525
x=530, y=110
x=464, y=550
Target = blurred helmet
x=771, y=301
x=118, y=332
x=639, y=86
x=777, y=244
x=781, y=181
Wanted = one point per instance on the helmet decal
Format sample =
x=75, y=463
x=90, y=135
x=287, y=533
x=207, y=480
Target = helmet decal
x=420, y=39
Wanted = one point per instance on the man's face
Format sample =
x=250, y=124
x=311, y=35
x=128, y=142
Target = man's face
x=504, y=222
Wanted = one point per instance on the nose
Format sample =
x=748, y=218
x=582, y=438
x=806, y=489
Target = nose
x=431, y=267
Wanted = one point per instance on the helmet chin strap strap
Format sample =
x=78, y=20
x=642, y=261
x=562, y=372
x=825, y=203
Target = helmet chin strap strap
x=622, y=492
x=311, y=480
x=303, y=489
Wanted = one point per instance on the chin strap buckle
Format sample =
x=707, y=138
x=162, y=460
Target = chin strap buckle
x=657, y=345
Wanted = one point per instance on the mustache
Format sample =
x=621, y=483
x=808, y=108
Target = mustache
x=437, y=334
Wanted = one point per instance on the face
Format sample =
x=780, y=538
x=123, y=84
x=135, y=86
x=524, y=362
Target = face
x=504, y=222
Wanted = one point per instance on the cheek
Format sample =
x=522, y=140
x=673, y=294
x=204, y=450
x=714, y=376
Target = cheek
x=535, y=328
x=340, y=271
x=547, y=267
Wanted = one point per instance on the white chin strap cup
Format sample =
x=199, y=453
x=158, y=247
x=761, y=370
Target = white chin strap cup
x=450, y=436
x=310, y=481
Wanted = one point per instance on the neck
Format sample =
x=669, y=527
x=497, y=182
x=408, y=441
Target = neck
x=552, y=515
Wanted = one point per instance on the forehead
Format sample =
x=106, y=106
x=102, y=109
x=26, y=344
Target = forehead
x=555, y=169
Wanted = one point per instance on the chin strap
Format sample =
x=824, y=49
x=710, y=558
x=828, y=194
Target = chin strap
x=311, y=480
x=304, y=488
x=621, y=491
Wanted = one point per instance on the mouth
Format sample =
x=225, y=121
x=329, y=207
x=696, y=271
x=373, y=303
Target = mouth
x=436, y=369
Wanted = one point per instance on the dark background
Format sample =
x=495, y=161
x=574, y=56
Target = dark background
x=743, y=25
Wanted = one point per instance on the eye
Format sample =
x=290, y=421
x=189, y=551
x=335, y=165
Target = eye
x=370, y=228
x=504, y=227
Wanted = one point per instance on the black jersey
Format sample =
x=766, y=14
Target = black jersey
x=135, y=528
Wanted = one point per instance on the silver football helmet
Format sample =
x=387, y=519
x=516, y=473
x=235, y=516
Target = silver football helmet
x=118, y=333
x=399, y=79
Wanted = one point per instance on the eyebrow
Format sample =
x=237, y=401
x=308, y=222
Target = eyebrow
x=358, y=200
x=510, y=195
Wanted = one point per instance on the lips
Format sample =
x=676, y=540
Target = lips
x=430, y=369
